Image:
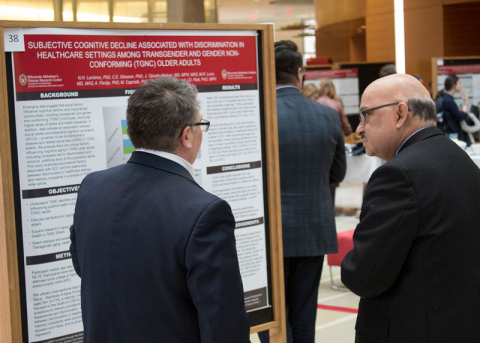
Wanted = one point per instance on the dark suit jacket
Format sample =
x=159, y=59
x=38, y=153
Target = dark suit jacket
x=157, y=257
x=416, y=262
x=312, y=156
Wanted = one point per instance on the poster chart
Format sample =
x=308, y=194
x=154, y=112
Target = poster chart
x=469, y=75
x=346, y=85
x=70, y=95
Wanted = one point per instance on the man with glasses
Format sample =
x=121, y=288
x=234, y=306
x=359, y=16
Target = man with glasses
x=415, y=262
x=156, y=253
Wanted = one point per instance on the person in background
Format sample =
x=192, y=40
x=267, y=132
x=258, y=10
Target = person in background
x=329, y=97
x=311, y=91
x=418, y=77
x=156, y=252
x=387, y=69
x=312, y=155
x=452, y=115
x=415, y=262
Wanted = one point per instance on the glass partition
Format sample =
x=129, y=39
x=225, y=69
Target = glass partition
x=92, y=10
x=130, y=11
x=127, y=11
x=26, y=10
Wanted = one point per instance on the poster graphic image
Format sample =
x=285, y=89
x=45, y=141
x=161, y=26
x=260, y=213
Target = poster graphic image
x=117, y=143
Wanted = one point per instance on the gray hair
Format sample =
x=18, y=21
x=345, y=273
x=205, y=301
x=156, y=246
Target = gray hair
x=423, y=108
x=159, y=110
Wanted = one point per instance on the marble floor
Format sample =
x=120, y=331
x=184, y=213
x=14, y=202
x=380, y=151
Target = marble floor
x=337, y=325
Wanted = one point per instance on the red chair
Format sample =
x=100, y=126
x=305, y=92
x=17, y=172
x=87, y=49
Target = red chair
x=345, y=244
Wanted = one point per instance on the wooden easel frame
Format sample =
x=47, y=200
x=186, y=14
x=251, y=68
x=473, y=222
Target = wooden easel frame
x=10, y=310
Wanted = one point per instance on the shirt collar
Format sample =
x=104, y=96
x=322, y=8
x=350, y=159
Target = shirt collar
x=172, y=157
x=409, y=138
x=288, y=86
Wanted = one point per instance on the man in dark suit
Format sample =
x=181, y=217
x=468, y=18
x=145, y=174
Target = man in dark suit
x=156, y=252
x=312, y=156
x=415, y=262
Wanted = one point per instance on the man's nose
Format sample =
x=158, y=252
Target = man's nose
x=360, y=129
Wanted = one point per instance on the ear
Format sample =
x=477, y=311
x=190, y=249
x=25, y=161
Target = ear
x=300, y=77
x=402, y=114
x=186, y=137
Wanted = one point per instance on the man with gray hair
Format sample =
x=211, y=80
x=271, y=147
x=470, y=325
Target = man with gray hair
x=156, y=253
x=415, y=262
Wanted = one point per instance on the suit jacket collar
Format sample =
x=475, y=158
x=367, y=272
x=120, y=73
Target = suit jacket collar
x=160, y=163
x=420, y=136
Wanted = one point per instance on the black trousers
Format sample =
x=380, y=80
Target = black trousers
x=302, y=278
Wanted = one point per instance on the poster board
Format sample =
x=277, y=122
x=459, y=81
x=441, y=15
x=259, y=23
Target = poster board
x=64, y=93
x=346, y=85
x=468, y=71
x=367, y=72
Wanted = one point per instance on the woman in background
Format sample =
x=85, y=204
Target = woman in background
x=330, y=98
x=310, y=91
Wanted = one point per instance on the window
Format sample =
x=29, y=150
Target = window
x=27, y=10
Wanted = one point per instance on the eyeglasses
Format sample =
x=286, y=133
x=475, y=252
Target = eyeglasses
x=205, y=123
x=364, y=113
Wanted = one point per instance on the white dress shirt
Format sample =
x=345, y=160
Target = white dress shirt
x=172, y=157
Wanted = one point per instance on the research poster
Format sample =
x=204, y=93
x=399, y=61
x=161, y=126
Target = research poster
x=346, y=85
x=469, y=74
x=70, y=95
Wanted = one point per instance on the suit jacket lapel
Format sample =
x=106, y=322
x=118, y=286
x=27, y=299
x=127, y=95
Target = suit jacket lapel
x=160, y=163
x=421, y=135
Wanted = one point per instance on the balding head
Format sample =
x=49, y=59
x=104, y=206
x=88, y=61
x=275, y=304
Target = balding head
x=408, y=109
x=408, y=89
